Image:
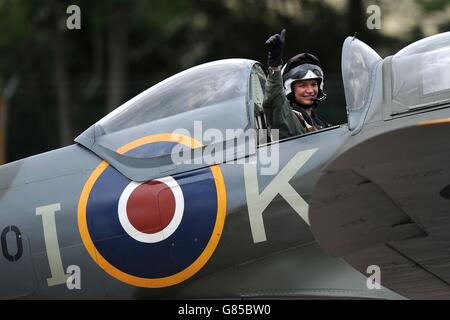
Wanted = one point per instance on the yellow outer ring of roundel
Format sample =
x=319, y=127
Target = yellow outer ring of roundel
x=198, y=263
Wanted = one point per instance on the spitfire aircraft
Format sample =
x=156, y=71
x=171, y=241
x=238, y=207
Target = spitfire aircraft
x=116, y=215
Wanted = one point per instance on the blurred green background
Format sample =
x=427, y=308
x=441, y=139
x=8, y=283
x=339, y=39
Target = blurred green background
x=55, y=82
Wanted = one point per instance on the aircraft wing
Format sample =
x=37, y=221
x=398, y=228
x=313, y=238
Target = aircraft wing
x=386, y=202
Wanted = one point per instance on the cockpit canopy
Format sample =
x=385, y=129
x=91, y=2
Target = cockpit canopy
x=420, y=74
x=219, y=96
x=214, y=87
x=211, y=93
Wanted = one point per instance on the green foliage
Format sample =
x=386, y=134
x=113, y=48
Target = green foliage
x=433, y=5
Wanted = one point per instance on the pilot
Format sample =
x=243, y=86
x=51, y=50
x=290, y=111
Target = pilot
x=294, y=91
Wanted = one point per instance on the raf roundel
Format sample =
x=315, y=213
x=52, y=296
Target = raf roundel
x=157, y=233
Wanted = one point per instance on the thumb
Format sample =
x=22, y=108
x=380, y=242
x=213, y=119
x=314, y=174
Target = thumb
x=283, y=35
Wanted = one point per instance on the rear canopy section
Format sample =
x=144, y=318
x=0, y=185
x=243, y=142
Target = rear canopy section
x=216, y=96
x=420, y=75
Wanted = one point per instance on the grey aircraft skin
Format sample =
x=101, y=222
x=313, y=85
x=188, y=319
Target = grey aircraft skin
x=117, y=213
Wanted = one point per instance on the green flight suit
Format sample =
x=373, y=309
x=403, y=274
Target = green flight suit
x=278, y=109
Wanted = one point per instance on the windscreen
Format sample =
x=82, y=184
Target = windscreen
x=358, y=62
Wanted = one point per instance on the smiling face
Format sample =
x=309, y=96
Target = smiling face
x=305, y=91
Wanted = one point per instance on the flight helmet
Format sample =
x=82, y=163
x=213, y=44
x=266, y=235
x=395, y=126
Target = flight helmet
x=304, y=66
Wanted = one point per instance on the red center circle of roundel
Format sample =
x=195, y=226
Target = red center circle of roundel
x=151, y=207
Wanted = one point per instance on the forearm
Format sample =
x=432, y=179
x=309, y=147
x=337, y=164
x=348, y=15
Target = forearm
x=274, y=95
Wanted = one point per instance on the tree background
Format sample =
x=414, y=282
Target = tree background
x=55, y=82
